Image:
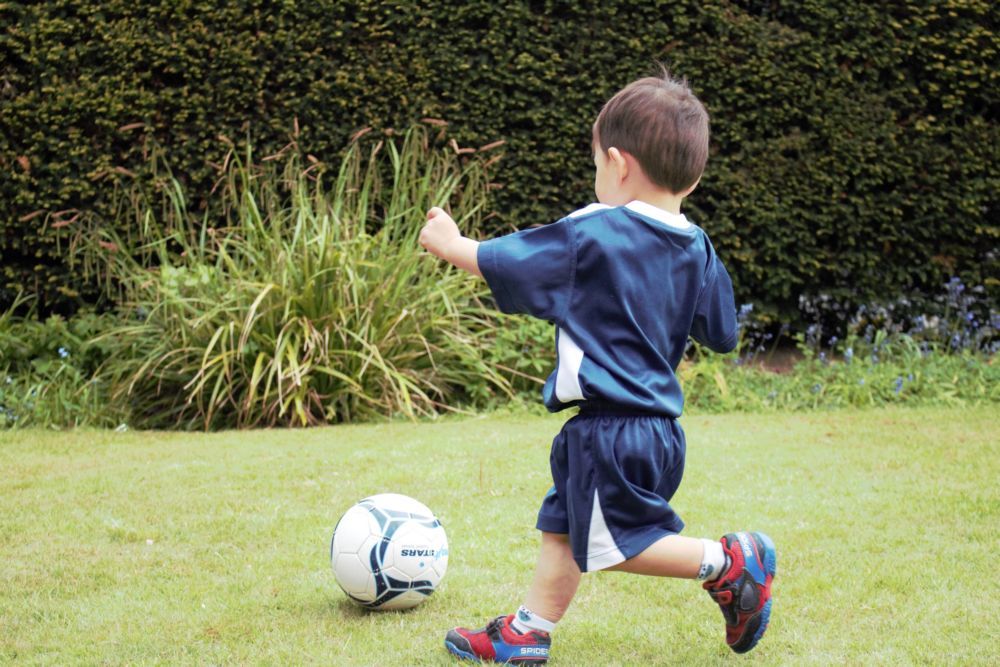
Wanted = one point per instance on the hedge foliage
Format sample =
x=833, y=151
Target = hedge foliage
x=855, y=146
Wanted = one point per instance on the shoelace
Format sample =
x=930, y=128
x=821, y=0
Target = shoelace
x=493, y=627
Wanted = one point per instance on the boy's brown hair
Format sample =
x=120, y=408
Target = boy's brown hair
x=660, y=122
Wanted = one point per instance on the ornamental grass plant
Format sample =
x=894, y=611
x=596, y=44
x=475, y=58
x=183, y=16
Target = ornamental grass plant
x=300, y=296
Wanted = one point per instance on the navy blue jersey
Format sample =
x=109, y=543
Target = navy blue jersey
x=625, y=287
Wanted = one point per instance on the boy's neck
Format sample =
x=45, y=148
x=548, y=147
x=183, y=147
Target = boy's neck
x=666, y=201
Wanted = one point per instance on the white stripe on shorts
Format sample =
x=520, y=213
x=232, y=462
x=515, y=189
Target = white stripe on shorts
x=602, y=551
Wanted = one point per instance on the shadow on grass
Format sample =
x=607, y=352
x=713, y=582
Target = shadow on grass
x=344, y=608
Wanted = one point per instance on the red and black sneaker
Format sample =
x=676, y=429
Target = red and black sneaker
x=500, y=642
x=743, y=591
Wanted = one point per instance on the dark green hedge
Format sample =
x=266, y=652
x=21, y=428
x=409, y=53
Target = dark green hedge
x=855, y=147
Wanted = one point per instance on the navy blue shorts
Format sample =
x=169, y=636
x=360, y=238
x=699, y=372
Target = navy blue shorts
x=614, y=473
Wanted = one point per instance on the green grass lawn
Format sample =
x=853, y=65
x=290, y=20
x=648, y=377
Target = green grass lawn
x=157, y=548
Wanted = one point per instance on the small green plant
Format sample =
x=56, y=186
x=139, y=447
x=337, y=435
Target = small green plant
x=305, y=300
x=876, y=368
x=523, y=351
x=47, y=370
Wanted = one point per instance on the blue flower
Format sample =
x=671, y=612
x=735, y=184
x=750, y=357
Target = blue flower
x=898, y=385
x=814, y=335
x=63, y=352
x=955, y=289
x=833, y=341
x=848, y=355
x=861, y=381
x=816, y=387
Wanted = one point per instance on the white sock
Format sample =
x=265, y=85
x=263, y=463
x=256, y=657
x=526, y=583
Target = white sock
x=713, y=562
x=526, y=620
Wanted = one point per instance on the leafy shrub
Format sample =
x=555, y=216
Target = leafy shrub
x=854, y=143
x=523, y=351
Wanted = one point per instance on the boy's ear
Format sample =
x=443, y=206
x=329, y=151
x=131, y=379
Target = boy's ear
x=618, y=163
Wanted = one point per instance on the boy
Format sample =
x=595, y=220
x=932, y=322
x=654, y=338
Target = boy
x=626, y=281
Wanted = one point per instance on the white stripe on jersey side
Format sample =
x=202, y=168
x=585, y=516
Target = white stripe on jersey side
x=675, y=220
x=602, y=551
x=568, y=374
x=570, y=355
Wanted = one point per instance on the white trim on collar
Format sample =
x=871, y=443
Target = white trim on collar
x=677, y=221
x=590, y=208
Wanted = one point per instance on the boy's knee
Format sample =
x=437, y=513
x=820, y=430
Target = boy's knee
x=556, y=546
x=555, y=539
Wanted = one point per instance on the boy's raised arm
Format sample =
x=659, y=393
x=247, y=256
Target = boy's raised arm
x=441, y=237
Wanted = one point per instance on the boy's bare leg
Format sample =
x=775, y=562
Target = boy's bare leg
x=525, y=637
x=671, y=556
x=557, y=577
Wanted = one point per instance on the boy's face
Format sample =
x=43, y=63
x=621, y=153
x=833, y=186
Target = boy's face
x=606, y=184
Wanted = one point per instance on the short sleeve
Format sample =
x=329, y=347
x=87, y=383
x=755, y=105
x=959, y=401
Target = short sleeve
x=531, y=271
x=715, y=314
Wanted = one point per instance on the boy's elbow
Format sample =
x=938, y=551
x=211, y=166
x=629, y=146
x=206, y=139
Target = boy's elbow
x=716, y=345
x=717, y=339
x=728, y=345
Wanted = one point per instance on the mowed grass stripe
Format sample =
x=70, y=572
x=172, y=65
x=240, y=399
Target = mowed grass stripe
x=161, y=548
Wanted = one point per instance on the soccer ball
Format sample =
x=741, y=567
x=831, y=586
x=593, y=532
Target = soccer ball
x=389, y=552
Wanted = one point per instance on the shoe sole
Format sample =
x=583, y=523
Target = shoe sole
x=465, y=655
x=771, y=568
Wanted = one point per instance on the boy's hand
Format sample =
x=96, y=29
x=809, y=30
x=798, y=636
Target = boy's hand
x=441, y=237
x=439, y=231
